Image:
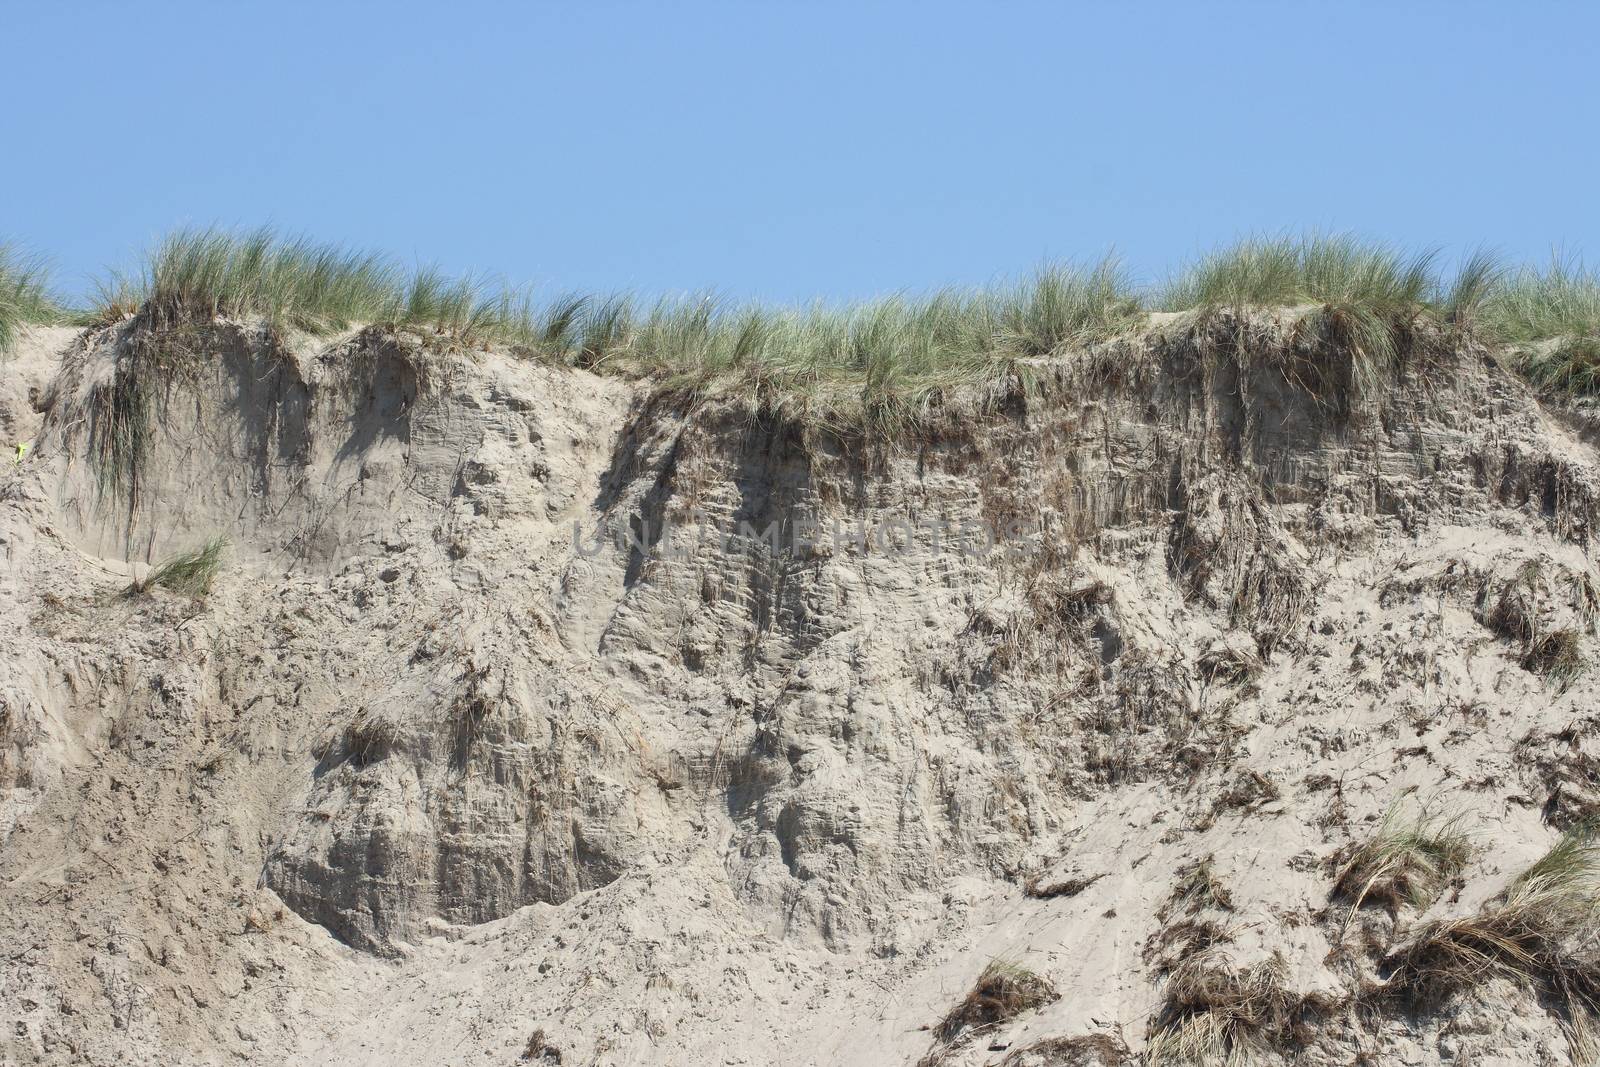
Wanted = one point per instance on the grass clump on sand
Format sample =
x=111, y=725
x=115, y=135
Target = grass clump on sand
x=1292, y=271
x=1219, y=1013
x=1555, y=654
x=1542, y=929
x=197, y=275
x=1003, y=991
x=882, y=362
x=24, y=294
x=1551, y=319
x=1359, y=297
x=189, y=574
x=1404, y=862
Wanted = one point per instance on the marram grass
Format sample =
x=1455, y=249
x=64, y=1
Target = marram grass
x=886, y=360
x=1539, y=929
x=189, y=574
x=1404, y=862
x=1551, y=320
x=24, y=294
x=1288, y=271
x=199, y=275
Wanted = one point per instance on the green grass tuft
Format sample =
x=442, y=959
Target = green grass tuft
x=1404, y=862
x=1551, y=318
x=198, y=275
x=1061, y=306
x=886, y=362
x=1354, y=296
x=1541, y=929
x=1291, y=271
x=24, y=294
x=189, y=574
x=1478, y=281
x=1561, y=301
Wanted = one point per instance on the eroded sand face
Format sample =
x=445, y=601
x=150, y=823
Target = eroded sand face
x=426, y=774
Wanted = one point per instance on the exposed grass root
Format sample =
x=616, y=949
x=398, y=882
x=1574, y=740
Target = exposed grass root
x=1355, y=308
x=1052, y=631
x=152, y=369
x=1555, y=653
x=374, y=733
x=1227, y=550
x=885, y=365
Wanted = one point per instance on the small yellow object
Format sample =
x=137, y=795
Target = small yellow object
x=22, y=449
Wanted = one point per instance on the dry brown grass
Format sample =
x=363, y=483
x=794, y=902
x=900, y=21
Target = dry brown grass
x=1583, y=1035
x=1086, y=1050
x=1218, y=1013
x=1553, y=653
x=1187, y=930
x=1543, y=929
x=1584, y=594
x=1227, y=550
x=1052, y=631
x=372, y=735
x=1564, y=763
x=1003, y=991
x=1229, y=666
x=1557, y=655
x=1514, y=614
x=1198, y=888
x=539, y=1049
x=1249, y=789
x=1403, y=863
x=1145, y=721
x=1039, y=889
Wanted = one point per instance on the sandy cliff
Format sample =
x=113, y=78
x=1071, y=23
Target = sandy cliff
x=540, y=716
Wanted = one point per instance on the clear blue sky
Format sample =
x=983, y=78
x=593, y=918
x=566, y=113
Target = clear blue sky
x=801, y=149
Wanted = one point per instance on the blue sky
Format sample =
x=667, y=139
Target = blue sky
x=788, y=151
